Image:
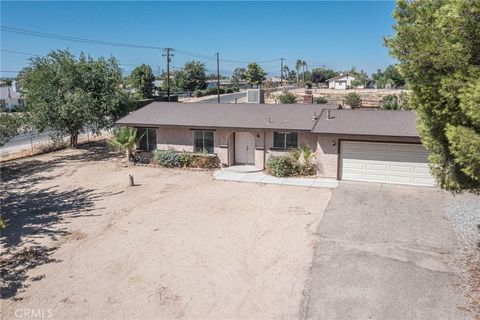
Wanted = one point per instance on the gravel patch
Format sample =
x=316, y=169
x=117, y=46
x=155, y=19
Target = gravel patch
x=464, y=211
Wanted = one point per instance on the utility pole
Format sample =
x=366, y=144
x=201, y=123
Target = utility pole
x=168, y=55
x=218, y=79
x=281, y=69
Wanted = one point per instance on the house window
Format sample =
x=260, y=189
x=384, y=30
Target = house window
x=203, y=141
x=148, y=138
x=285, y=140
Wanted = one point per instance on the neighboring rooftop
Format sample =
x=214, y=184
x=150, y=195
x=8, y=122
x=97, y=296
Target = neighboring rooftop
x=342, y=75
x=368, y=122
x=227, y=115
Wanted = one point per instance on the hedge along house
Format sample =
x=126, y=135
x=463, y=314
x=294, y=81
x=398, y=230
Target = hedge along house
x=363, y=145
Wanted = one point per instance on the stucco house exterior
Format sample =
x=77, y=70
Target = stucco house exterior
x=363, y=145
x=341, y=82
x=10, y=97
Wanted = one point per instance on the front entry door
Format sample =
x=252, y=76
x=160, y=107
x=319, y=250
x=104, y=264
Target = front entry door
x=244, y=148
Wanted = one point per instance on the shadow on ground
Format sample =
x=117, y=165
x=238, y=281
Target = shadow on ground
x=33, y=212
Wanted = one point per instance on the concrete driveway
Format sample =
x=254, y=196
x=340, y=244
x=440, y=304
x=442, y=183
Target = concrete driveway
x=385, y=252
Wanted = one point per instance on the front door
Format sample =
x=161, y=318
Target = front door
x=244, y=148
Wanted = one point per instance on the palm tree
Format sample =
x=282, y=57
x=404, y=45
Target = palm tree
x=304, y=65
x=298, y=65
x=125, y=139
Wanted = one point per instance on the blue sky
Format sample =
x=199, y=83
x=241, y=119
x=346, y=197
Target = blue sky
x=336, y=34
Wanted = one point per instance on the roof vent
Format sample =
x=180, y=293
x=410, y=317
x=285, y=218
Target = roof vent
x=315, y=116
x=329, y=117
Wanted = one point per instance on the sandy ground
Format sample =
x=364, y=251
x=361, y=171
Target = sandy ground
x=177, y=245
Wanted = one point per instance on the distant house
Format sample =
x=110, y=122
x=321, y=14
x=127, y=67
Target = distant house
x=10, y=97
x=342, y=81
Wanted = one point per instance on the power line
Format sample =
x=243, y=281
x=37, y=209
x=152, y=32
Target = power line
x=75, y=39
x=117, y=44
x=19, y=52
x=37, y=55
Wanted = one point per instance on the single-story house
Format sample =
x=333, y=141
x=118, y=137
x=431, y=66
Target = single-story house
x=365, y=145
x=342, y=81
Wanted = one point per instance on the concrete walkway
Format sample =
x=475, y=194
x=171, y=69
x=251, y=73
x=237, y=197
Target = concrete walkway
x=260, y=177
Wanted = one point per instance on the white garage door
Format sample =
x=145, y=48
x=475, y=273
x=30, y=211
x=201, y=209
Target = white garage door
x=385, y=162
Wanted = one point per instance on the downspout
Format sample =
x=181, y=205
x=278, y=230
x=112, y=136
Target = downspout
x=264, y=151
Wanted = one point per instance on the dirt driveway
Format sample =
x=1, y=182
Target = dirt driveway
x=177, y=245
x=386, y=252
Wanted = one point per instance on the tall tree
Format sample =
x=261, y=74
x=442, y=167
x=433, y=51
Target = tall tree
x=361, y=79
x=192, y=76
x=66, y=94
x=238, y=75
x=438, y=45
x=141, y=79
x=390, y=76
x=298, y=66
x=254, y=74
x=318, y=76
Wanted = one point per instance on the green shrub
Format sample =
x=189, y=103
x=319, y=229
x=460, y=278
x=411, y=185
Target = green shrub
x=303, y=161
x=229, y=90
x=280, y=166
x=199, y=93
x=353, y=100
x=287, y=98
x=167, y=158
x=320, y=100
x=298, y=162
x=185, y=159
x=308, y=85
x=390, y=102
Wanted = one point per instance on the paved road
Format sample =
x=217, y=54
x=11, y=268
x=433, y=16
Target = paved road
x=24, y=142
x=227, y=98
x=385, y=252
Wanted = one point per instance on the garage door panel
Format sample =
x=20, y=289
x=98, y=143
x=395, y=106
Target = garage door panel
x=385, y=162
x=354, y=176
x=354, y=165
x=376, y=177
x=376, y=167
x=400, y=168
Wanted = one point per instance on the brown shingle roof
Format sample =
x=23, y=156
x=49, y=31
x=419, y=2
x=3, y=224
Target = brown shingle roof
x=368, y=122
x=276, y=116
x=226, y=115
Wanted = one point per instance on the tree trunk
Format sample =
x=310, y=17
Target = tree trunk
x=74, y=139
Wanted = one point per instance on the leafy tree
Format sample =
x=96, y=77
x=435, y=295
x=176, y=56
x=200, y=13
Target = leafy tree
x=287, y=98
x=238, y=75
x=353, y=100
x=142, y=79
x=361, y=79
x=10, y=126
x=318, y=76
x=192, y=76
x=125, y=139
x=66, y=94
x=438, y=46
x=254, y=74
x=329, y=73
x=391, y=76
